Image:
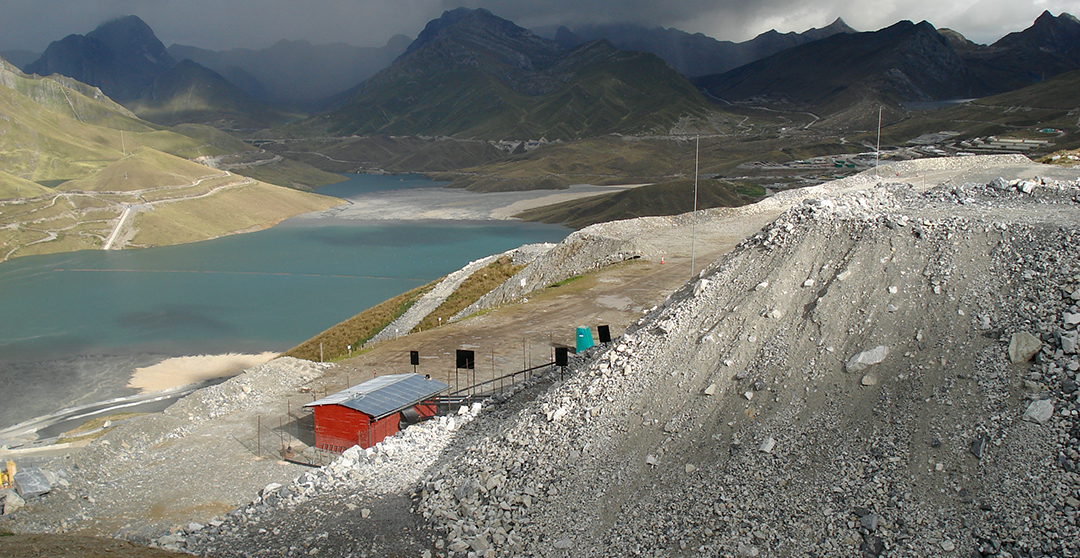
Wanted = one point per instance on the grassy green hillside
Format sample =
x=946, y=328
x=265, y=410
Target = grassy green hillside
x=13, y=187
x=667, y=198
x=79, y=172
x=211, y=137
x=67, y=97
x=144, y=169
x=41, y=145
x=57, y=141
x=1059, y=92
x=237, y=205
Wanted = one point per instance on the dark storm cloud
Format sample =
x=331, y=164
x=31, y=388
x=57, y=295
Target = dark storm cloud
x=219, y=24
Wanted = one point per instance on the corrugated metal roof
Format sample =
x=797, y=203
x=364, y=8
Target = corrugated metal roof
x=384, y=395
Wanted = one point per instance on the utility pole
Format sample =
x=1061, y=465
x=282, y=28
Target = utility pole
x=877, y=152
x=693, y=220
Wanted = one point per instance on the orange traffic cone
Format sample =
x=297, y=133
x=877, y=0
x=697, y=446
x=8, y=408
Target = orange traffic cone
x=661, y=259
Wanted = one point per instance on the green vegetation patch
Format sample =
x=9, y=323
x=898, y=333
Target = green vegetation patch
x=13, y=187
x=291, y=174
x=1065, y=158
x=358, y=329
x=477, y=285
x=241, y=207
x=565, y=282
x=146, y=168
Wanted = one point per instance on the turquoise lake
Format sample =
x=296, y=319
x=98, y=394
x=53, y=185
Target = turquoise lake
x=63, y=315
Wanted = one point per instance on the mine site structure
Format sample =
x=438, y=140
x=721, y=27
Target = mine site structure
x=367, y=413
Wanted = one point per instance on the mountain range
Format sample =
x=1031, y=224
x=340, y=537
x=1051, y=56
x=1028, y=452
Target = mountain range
x=1049, y=47
x=125, y=59
x=904, y=62
x=470, y=74
x=901, y=63
x=694, y=54
x=473, y=74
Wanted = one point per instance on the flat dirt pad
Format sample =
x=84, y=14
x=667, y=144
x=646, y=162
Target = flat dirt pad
x=75, y=546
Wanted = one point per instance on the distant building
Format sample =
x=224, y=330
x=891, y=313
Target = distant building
x=368, y=413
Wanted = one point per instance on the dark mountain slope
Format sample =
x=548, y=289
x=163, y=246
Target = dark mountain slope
x=904, y=62
x=127, y=62
x=1049, y=47
x=1058, y=92
x=122, y=57
x=472, y=74
x=191, y=93
x=668, y=198
x=695, y=54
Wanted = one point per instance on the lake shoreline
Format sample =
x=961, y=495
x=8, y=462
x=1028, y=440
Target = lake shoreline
x=114, y=351
x=179, y=371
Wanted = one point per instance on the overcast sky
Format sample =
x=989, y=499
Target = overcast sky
x=221, y=24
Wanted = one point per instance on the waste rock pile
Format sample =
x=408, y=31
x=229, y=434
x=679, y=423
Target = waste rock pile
x=842, y=384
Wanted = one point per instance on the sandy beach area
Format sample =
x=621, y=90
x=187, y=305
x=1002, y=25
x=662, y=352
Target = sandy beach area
x=456, y=204
x=581, y=191
x=180, y=371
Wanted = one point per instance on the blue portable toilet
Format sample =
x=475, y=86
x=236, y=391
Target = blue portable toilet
x=584, y=338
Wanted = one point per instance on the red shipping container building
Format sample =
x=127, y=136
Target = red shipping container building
x=368, y=413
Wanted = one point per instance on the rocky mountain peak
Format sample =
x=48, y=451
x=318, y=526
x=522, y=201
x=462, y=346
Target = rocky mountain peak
x=475, y=27
x=130, y=37
x=122, y=57
x=837, y=26
x=957, y=41
x=478, y=38
x=1051, y=34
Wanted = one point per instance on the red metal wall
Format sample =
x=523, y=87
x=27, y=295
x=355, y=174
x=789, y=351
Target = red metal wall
x=338, y=428
x=383, y=429
x=427, y=409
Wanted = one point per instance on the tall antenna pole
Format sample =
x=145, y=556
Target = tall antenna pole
x=877, y=151
x=693, y=220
